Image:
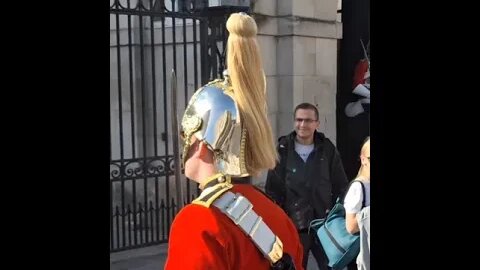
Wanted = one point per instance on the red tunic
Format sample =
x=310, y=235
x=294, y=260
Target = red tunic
x=205, y=238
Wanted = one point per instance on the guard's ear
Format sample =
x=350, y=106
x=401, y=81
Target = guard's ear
x=204, y=153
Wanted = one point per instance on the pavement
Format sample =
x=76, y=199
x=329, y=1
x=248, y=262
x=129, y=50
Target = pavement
x=153, y=258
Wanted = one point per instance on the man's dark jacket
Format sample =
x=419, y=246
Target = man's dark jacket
x=305, y=190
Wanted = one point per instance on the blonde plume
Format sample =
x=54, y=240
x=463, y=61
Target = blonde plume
x=249, y=85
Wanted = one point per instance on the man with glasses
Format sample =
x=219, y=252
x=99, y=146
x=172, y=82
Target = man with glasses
x=308, y=178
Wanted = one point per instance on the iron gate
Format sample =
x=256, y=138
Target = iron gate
x=147, y=40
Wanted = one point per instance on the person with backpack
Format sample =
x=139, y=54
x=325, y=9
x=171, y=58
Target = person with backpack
x=357, y=207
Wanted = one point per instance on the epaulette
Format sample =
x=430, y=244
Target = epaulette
x=213, y=188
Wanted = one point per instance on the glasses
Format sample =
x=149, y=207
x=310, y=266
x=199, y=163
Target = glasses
x=306, y=120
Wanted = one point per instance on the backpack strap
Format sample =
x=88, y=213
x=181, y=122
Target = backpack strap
x=340, y=199
x=363, y=194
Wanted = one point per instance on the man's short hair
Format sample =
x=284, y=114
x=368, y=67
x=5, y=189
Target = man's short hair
x=306, y=106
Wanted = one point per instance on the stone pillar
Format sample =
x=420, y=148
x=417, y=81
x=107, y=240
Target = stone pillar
x=298, y=39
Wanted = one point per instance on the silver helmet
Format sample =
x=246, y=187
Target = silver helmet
x=212, y=116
